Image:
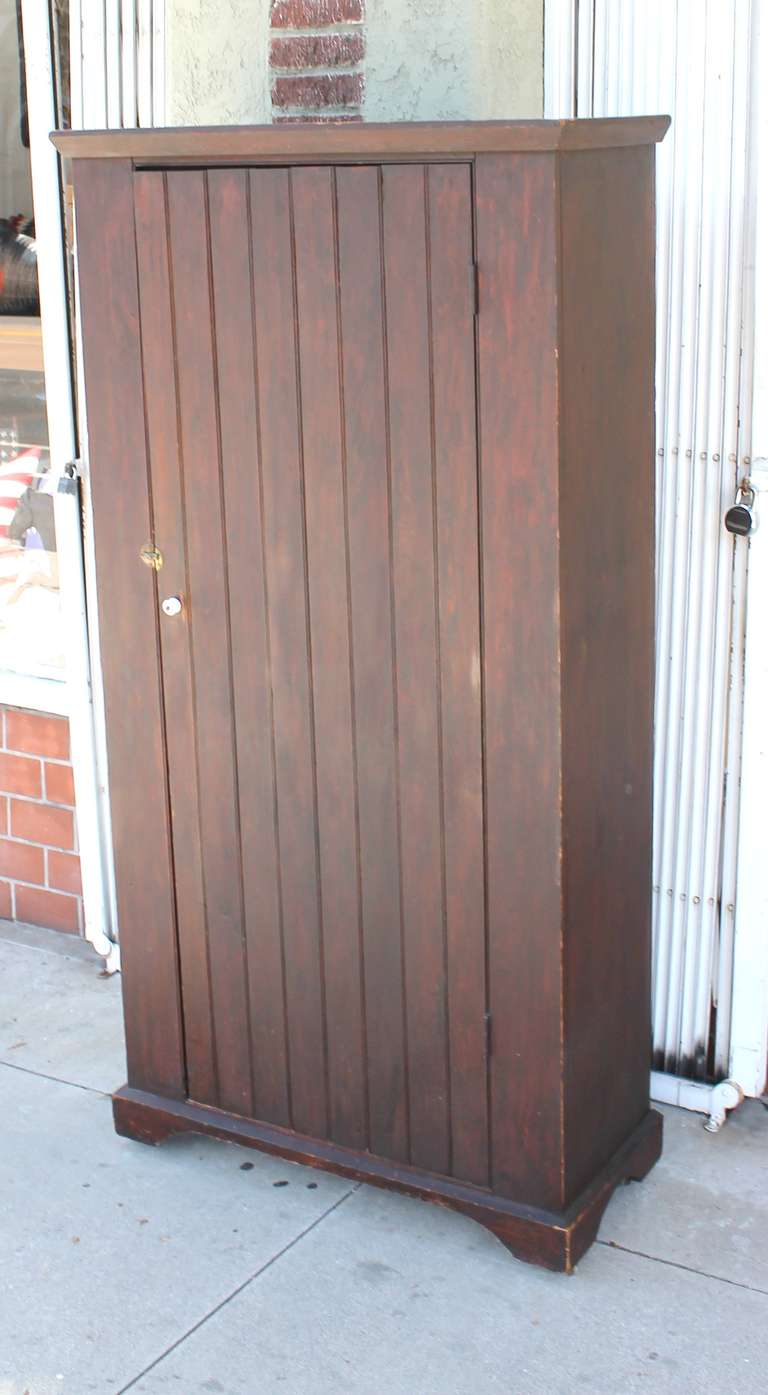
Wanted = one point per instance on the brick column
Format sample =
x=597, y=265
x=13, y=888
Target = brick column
x=39, y=864
x=316, y=57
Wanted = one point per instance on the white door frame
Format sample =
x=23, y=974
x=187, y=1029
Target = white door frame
x=90, y=793
x=749, y=1026
x=117, y=74
x=117, y=69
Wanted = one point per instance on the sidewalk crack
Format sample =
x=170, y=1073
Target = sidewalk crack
x=236, y=1291
x=57, y=1079
x=686, y=1268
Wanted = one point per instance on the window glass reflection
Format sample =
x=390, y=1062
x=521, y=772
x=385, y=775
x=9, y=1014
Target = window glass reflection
x=30, y=612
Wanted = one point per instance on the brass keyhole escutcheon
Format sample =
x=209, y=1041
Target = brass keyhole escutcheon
x=151, y=556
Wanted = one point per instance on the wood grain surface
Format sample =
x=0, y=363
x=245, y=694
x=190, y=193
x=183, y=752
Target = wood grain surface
x=372, y=141
x=382, y=789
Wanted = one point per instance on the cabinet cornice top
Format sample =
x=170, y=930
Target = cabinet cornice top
x=298, y=142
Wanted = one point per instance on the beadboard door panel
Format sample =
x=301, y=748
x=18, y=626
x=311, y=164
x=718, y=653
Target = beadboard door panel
x=309, y=380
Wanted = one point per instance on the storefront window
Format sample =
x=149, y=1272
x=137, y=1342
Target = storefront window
x=31, y=638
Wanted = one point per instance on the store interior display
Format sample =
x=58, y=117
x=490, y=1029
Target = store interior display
x=30, y=611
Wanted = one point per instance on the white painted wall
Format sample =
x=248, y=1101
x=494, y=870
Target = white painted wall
x=454, y=59
x=425, y=60
x=216, y=64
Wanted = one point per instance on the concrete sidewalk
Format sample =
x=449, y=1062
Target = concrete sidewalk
x=203, y=1267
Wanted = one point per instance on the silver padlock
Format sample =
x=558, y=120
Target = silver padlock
x=741, y=517
x=171, y=605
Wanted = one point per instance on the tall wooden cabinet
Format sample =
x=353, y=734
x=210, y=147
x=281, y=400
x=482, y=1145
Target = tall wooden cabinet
x=370, y=420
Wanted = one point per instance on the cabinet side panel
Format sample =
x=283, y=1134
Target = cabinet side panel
x=606, y=558
x=129, y=632
x=517, y=364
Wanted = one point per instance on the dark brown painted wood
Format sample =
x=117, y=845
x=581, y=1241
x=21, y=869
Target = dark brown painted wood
x=207, y=603
x=367, y=140
x=161, y=408
x=452, y=306
x=250, y=657
x=553, y=1239
x=606, y=554
x=285, y=545
x=132, y=681
x=322, y=407
x=407, y=705
x=412, y=468
x=367, y=462
x=519, y=442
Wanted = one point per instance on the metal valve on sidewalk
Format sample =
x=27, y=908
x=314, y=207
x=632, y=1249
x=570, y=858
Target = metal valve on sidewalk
x=742, y=518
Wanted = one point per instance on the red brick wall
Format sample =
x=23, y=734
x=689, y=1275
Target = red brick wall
x=316, y=56
x=39, y=865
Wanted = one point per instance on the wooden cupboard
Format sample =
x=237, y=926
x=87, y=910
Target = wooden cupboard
x=370, y=418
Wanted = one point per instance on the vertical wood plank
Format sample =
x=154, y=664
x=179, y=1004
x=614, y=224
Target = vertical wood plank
x=327, y=553
x=519, y=444
x=607, y=480
x=251, y=669
x=365, y=412
x=413, y=533
x=453, y=359
x=158, y=350
x=281, y=445
x=207, y=616
x=130, y=657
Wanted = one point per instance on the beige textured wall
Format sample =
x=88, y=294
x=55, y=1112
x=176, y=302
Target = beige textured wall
x=216, y=64
x=462, y=59
x=425, y=60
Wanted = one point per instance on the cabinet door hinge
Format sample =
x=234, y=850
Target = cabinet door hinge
x=475, y=287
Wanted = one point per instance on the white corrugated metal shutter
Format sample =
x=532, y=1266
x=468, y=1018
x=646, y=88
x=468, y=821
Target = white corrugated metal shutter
x=117, y=56
x=689, y=58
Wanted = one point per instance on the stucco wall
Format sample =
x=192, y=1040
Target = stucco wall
x=443, y=59
x=425, y=59
x=216, y=63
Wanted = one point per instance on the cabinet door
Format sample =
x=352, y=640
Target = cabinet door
x=309, y=380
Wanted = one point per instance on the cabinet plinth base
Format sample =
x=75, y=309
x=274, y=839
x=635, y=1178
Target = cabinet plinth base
x=556, y=1240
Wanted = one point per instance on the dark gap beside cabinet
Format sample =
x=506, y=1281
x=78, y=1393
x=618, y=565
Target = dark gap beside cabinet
x=381, y=399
